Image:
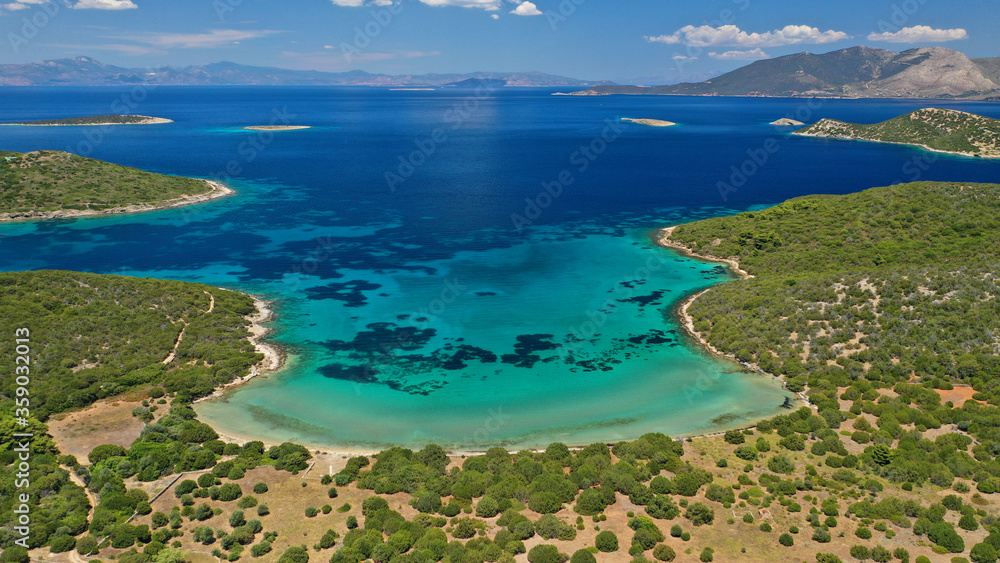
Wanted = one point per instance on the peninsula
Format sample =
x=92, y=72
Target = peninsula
x=96, y=120
x=649, y=122
x=935, y=129
x=54, y=184
x=787, y=122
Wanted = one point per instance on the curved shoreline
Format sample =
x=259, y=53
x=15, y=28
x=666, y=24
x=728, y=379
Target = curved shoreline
x=218, y=191
x=274, y=357
x=687, y=320
x=989, y=156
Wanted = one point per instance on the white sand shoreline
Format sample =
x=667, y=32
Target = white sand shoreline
x=687, y=320
x=218, y=191
x=146, y=120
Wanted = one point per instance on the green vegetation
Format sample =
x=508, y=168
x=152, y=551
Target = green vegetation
x=116, y=119
x=47, y=181
x=938, y=129
x=96, y=336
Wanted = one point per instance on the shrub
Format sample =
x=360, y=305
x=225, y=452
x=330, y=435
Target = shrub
x=260, y=488
x=606, y=542
x=781, y=464
x=786, y=540
x=263, y=510
x=821, y=536
x=247, y=502
x=707, y=554
x=664, y=553
x=237, y=518
x=230, y=492
x=863, y=533
x=583, y=556
x=734, y=437
x=860, y=552
x=311, y=512
x=332, y=492
x=676, y=531
x=546, y=554
x=700, y=514
x=261, y=549
x=206, y=480
x=487, y=507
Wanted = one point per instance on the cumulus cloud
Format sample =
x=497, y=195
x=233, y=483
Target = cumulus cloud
x=752, y=55
x=494, y=16
x=730, y=35
x=105, y=5
x=526, y=9
x=684, y=58
x=484, y=4
x=213, y=38
x=921, y=34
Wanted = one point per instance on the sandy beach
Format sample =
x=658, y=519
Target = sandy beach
x=277, y=127
x=273, y=360
x=217, y=191
x=683, y=310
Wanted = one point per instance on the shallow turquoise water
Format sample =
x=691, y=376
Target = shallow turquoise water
x=423, y=310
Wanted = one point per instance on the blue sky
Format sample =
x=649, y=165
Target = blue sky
x=654, y=41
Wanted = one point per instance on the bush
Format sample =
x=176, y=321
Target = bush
x=734, y=437
x=15, y=554
x=230, y=492
x=295, y=555
x=260, y=488
x=944, y=535
x=86, y=545
x=261, y=549
x=583, y=556
x=786, y=540
x=676, y=531
x=546, y=554
x=984, y=553
x=487, y=507
x=311, y=512
x=781, y=464
x=247, y=502
x=332, y=492
x=707, y=554
x=700, y=514
x=62, y=544
x=860, y=552
x=863, y=533
x=664, y=553
x=263, y=510
x=821, y=536
x=606, y=542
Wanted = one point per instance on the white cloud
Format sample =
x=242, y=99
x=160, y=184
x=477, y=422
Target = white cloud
x=730, y=35
x=214, y=38
x=489, y=5
x=21, y=4
x=526, y=9
x=324, y=46
x=921, y=34
x=105, y=5
x=494, y=16
x=753, y=55
x=352, y=3
x=684, y=58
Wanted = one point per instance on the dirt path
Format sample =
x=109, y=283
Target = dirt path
x=180, y=337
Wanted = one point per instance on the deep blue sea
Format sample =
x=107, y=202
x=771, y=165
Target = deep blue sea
x=452, y=266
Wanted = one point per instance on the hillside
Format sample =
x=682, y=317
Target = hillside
x=857, y=72
x=85, y=71
x=50, y=184
x=97, y=336
x=862, y=285
x=941, y=130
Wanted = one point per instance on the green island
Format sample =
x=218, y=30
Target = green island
x=114, y=119
x=55, y=184
x=941, y=130
x=845, y=296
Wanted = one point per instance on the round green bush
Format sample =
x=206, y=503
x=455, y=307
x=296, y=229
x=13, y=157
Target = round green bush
x=546, y=554
x=260, y=488
x=606, y=542
x=786, y=540
x=664, y=553
x=583, y=556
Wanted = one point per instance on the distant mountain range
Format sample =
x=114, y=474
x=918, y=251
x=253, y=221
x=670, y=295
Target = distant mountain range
x=858, y=72
x=85, y=71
